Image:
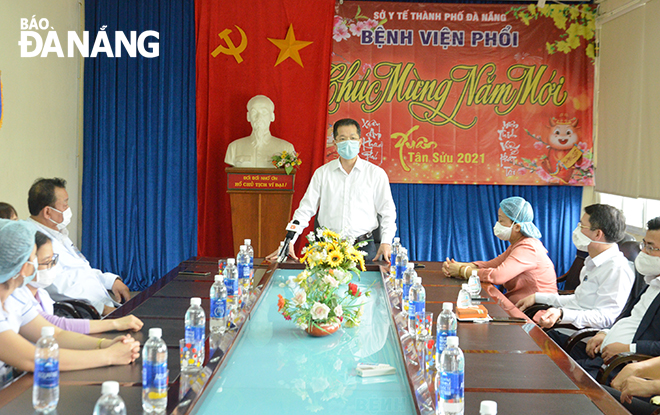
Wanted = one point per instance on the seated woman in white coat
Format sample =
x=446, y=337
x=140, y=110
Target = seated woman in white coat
x=47, y=261
x=20, y=323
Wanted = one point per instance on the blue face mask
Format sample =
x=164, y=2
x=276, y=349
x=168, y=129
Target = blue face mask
x=348, y=149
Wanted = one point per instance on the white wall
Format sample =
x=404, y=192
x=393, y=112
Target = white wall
x=40, y=134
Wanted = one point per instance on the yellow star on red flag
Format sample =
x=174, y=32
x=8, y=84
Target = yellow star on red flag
x=289, y=47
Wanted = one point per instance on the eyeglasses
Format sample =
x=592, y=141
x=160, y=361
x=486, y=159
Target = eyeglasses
x=645, y=246
x=53, y=261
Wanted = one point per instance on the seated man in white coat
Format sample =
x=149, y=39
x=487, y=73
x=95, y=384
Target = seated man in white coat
x=48, y=202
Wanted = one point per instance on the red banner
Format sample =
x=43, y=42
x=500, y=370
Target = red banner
x=277, y=48
x=458, y=93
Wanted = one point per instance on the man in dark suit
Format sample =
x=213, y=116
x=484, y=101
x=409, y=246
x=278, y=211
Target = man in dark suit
x=637, y=329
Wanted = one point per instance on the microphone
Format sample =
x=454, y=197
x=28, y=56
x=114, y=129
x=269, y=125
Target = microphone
x=291, y=237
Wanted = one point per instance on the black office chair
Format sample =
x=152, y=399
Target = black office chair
x=76, y=309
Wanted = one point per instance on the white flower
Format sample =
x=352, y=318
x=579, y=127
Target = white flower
x=320, y=311
x=342, y=276
x=338, y=311
x=300, y=298
x=328, y=279
x=318, y=256
x=303, y=326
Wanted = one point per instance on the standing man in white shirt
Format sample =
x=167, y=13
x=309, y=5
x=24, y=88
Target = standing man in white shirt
x=48, y=202
x=605, y=280
x=350, y=194
x=638, y=328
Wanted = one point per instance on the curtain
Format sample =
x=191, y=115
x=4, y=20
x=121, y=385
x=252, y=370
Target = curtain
x=139, y=168
x=456, y=221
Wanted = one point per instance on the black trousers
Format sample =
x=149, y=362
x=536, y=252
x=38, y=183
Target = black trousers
x=579, y=353
x=638, y=406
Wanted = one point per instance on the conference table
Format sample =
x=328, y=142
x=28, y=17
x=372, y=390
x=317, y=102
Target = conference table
x=267, y=365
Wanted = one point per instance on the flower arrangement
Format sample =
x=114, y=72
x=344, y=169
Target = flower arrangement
x=323, y=294
x=286, y=161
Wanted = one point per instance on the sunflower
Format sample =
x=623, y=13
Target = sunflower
x=330, y=234
x=353, y=254
x=331, y=248
x=334, y=258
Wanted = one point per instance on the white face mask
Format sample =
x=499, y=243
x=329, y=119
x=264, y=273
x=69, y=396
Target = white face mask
x=582, y=241
x=502, y=232
x=66, y=218
x=44, y=278
x=29, y=278
x=647, y=265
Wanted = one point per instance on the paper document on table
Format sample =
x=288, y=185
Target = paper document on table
x=475, y=312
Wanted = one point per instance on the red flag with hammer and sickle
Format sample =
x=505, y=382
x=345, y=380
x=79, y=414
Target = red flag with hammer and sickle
x=277, y=48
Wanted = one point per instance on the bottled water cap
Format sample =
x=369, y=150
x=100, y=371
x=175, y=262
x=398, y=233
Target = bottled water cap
x=417, y=280
x=402, y=249
x=241, y=248
x=110, y=387
x=195, y=301
x=452, y=341
x=411, y=265
x=218, y=278
x=465, y=287
x=474, y=272
x=448, y=306
x=231, y=261
x=247, y=242
x=47, y=331
x=156, y=332
x=397, y=239
x=488, y=408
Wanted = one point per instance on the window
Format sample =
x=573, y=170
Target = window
x=637, y=211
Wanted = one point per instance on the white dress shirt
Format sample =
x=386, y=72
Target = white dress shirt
x=605, y=284
x=624, y=330
x=350, y=202
x=76, y=278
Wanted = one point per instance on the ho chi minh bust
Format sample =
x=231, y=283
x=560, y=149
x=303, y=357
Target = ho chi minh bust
x=257, y=149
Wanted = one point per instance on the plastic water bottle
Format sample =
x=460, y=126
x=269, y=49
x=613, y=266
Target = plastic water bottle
x=196, y=326
x=243, y=265
x=396, y=245
x=250, y=251
x=408, y=276
x=488, y=408
x=474, y=284
x=110, y=403
x=154, y=372
x=231, y=282
x=401, y=265
x=450, y=386
x=445, y=327
x=218, y=296
x=464, y=299
x=46, y=387
x=417, y=303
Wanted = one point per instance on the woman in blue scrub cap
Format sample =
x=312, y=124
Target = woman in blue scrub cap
x=20, y=324
x=524, y=268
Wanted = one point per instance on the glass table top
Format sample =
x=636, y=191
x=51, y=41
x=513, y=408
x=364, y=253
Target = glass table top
x=275, y=367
